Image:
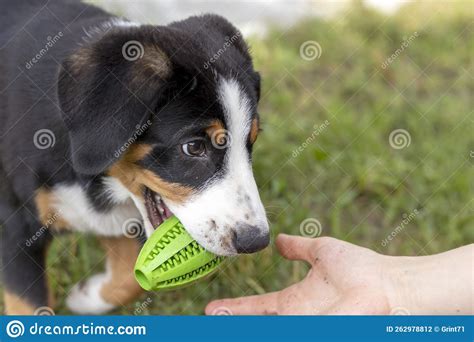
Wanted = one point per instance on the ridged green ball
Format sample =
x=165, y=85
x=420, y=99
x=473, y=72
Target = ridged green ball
x=171, y=258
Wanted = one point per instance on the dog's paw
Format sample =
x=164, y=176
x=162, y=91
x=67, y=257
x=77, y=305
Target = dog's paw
x=85, y=297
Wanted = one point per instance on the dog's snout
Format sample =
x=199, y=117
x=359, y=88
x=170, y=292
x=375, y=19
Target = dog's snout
x=250, y=239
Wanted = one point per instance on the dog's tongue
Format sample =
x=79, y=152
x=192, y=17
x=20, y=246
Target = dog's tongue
x=156, y=209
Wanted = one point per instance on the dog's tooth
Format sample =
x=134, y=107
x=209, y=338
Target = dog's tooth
x=160, y=208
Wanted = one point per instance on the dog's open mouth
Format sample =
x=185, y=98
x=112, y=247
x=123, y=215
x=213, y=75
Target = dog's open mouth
x=156, y=209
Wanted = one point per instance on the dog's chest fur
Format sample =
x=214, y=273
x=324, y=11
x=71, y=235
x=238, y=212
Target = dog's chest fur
x=74, y=205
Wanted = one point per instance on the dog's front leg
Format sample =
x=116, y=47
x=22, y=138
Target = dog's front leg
x=23, y=251
x=116, y=286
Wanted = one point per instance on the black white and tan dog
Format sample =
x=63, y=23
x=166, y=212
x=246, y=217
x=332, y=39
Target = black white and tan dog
x=104, y=121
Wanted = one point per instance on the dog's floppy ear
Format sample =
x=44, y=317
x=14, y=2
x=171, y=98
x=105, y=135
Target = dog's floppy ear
x=107, y=93
x=258, y=82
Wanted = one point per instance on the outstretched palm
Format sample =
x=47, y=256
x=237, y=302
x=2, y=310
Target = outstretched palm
x=344, y=279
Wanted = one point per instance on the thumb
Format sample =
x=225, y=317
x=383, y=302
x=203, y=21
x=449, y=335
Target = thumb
x=296, y=247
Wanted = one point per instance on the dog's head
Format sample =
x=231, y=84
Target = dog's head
x=171, y=112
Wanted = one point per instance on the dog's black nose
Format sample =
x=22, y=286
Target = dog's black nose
x=250, y=239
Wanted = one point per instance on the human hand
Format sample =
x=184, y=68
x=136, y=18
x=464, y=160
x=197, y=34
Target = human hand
x=344, y=279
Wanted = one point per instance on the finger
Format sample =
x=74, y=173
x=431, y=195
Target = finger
x=265, y=304
x=296, y=247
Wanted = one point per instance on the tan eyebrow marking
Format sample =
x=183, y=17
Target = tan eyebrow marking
x=214, y=126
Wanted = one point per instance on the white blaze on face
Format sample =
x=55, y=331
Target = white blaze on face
x=233, y=201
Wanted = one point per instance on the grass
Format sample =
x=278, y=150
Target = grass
x=347, y=176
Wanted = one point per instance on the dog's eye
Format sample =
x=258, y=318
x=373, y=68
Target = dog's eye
x=195, y=148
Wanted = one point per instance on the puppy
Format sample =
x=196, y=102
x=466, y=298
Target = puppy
x=107, y=123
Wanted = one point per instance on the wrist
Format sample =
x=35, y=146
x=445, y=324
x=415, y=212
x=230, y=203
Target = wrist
x=433, y=285
x=400, y=284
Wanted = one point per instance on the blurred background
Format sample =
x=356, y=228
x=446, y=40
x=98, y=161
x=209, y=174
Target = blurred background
x=367, y=135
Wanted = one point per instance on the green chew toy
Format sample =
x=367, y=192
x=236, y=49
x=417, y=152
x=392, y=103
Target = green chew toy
x=171, y=258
